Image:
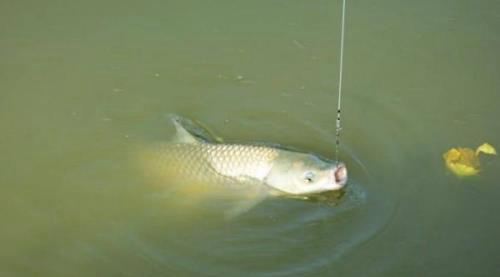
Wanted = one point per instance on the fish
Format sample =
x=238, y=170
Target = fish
x=201, y=163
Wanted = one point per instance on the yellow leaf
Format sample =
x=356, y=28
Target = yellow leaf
x=462, y=161
x=452, y=155
x=462, y=170
x=486, y=149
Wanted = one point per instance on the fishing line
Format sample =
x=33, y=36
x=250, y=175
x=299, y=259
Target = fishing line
x=341, y=67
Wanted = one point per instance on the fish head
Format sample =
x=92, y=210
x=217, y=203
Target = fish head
x=303, y=174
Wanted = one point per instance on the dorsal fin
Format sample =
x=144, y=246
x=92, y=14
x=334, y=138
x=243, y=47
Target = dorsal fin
x=181, y=134
x=188, y=131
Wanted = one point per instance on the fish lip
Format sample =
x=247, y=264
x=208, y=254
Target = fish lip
x=340, y=175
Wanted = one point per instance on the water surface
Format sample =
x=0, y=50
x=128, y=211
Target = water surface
x=82, y=82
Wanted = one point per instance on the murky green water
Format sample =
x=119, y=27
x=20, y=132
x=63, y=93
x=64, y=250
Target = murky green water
x=80, y=83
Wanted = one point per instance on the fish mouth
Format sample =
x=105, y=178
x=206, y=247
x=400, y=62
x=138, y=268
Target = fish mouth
x=340, y=175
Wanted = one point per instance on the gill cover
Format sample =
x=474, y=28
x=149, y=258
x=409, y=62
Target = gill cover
x=301, y=174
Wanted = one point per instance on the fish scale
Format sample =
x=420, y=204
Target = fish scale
x=208, y=162
x=240, y=160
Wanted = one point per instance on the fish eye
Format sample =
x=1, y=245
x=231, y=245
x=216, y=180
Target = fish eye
x=309, y=177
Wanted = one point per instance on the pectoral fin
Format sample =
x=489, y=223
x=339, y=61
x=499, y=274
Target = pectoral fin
x=242, y=207
x=255, y=192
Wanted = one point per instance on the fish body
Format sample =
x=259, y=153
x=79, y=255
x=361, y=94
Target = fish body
x=206, y=164
x=201, y=163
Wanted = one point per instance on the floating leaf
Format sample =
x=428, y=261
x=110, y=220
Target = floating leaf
x=464, y=170
x=462, y=161
x=452, y=155
x=465, y=161
x=486, y=148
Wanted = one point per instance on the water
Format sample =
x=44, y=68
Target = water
x=80, y=83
